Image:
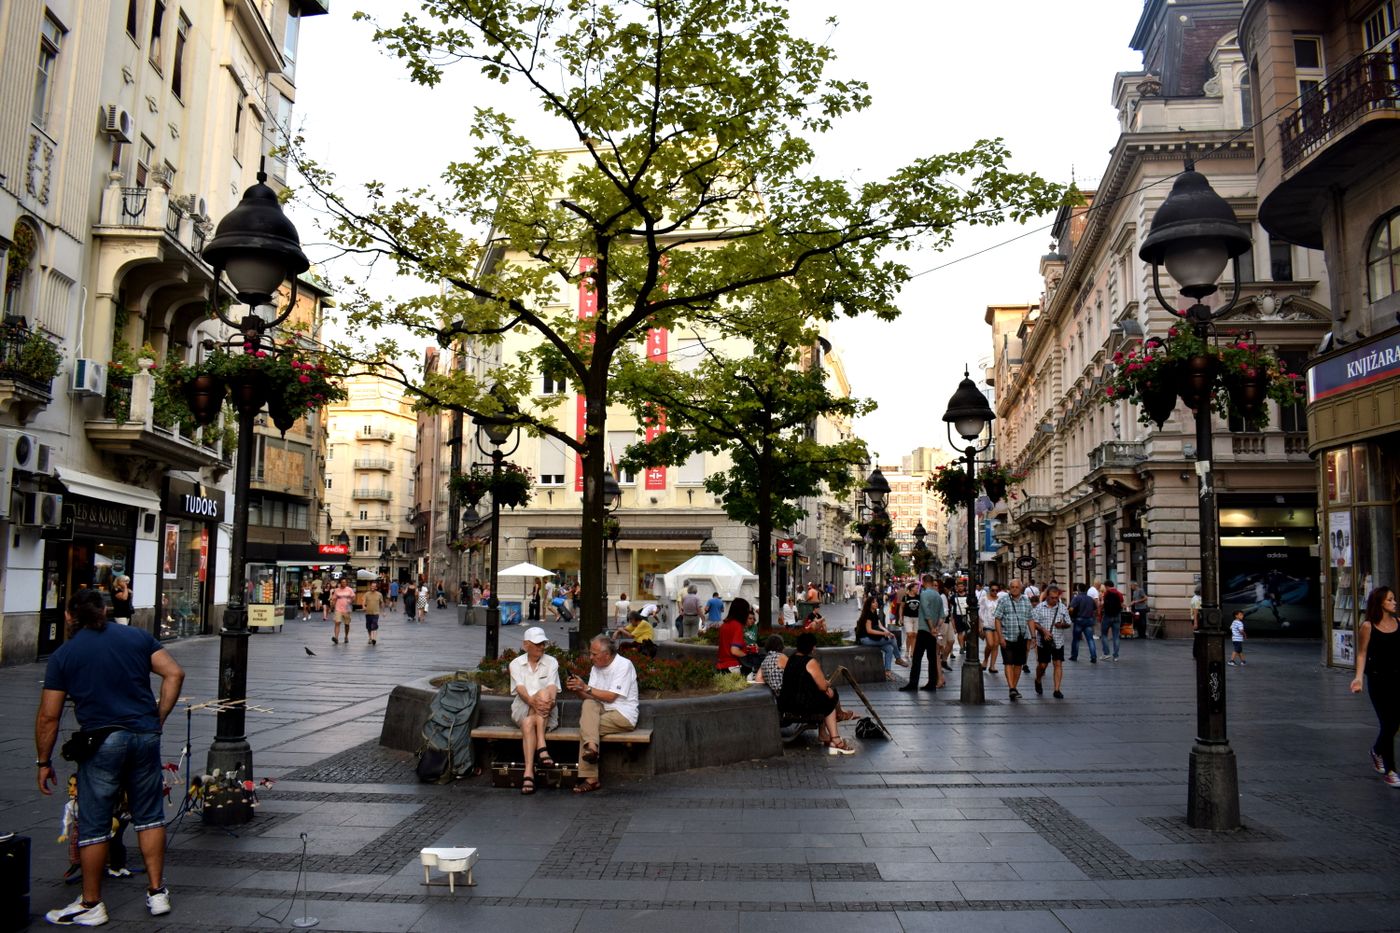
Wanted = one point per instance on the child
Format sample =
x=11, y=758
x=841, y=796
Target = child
x=1237, y=636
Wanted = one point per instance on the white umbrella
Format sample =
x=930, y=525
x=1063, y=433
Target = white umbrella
x=363, y=574
x=526, y=570
x=725, y=576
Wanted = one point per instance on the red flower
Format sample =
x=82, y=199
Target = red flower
x=1171, y=331
x=303, y=378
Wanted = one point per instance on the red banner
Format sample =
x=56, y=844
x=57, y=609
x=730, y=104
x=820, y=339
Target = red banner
x=786, y=547
x=657, y=340
x=203, y=553
x=332, y=549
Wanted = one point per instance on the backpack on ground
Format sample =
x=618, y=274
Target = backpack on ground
x=447, y=735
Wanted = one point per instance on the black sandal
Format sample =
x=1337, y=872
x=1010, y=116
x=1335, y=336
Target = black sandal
x=543, y=760
x=527, y=785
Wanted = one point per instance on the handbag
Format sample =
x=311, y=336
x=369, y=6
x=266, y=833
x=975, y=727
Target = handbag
x=867, y=728
x=83, y=744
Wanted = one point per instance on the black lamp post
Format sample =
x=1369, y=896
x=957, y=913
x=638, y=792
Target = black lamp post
x=498, y=431
x=1195, y=235
x=920, y=555
x=612, y=501
x=257, y=247
x=969, y=415
x=877, y=494
x=470, y=519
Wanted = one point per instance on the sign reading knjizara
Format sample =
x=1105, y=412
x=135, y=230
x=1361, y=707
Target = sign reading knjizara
x=1363, y=365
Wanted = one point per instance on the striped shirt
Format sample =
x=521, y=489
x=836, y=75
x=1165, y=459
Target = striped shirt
x=1046, y=617
x=1013, y=614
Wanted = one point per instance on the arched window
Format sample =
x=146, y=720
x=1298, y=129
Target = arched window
x=24, y=243
x=1383, y=257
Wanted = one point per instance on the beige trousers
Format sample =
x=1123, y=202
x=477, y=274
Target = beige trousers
x=593, y=723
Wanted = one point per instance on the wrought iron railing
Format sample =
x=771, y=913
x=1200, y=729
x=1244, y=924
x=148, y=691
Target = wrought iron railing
x=1117, y=454
x=134, y=206
x=1366, y=83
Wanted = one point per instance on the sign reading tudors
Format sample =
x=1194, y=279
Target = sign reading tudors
x=1357, y=367
x=184, y=499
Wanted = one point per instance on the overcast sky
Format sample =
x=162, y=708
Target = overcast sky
x=942, y=75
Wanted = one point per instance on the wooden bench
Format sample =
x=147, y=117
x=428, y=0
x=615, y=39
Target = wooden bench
x=506, y=733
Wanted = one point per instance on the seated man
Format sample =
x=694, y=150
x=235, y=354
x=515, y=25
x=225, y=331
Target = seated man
x=638, y=630
x=609, y=705
x=816, y=622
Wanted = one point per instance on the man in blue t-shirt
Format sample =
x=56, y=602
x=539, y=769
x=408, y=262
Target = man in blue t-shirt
x=714, y=610
x=106, y=671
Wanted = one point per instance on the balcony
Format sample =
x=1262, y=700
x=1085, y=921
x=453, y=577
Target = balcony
x=1338, y=135
x=372, y=463
x=375, y=434
x=383, y=495
x=151, y=221
x=141, y=446
x=1034, y=512
x=1113, y=467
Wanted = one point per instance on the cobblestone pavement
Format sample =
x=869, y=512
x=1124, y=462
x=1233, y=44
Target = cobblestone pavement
x=1042, y=815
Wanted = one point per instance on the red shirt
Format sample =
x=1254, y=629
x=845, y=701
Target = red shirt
x=730, y=633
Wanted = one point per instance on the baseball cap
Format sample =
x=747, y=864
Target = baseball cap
x=536, y=634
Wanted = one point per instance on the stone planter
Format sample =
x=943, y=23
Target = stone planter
x=687, y=732
x=866, y=664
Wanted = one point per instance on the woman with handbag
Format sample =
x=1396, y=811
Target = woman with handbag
x=806, y=694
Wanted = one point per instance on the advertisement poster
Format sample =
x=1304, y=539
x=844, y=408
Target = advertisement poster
x=1339, y=538
x=510, y=611
x=1275, y=588
x=1344, y=648
x=170, y=559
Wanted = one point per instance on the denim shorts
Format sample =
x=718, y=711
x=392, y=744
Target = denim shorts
x=127, y=761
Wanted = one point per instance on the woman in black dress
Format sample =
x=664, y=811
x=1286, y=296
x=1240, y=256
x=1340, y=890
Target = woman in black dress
x=1378, y=660
x=807, y=694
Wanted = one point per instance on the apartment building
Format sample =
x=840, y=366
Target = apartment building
x=370, y=461
x=1108, y=497
x=1326, y=74
x=127, y=128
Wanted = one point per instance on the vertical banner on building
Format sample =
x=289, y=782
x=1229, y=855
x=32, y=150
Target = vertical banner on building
x=587, y=311
x=656, y=425
x=203, y=553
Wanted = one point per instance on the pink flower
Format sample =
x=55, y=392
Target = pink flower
x=247, y=348
x=1117, y=357
x=304, y=378
x=1134, y=367
x=261, y=354
x=1172, y=332
x=1111, y=392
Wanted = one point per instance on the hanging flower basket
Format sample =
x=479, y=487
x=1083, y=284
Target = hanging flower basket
x=880, y=527
x=204, y=394
x=510, y=489
x=1197, y=379
x=612, y=529
x=996, y=479
x=1158, y=402
x=951, y=484
x=1251, y=378
x=288, y=381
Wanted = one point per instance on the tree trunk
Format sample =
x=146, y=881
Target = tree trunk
x=764, y=496
x=592, y=567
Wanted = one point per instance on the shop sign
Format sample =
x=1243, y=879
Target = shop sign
x=786, y=546
x=1355, y=368
x=190, y=500
x=332, y=549
x=1132, y=535
x=102, y=518
x=1025, y=562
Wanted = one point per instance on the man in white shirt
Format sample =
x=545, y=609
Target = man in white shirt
x=609, y=705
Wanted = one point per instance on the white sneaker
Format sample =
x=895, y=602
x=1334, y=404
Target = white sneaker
x=1391, y=778
x=159, y=902
x=75, y=914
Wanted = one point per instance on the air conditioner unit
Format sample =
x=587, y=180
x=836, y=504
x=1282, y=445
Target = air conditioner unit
x=89, y=377
x=38, y=509
x=196, y=205
x=44, y=462
x=117, y=123
x=18, y=451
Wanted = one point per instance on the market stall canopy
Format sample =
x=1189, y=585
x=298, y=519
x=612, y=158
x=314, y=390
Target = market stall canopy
x=715, y=571
x=526, y=569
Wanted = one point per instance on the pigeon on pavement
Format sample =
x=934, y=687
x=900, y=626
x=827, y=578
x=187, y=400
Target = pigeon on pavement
x=308, y=651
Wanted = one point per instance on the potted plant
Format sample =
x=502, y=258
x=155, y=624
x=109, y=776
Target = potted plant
x=880, y=527
x=29, y=355
x=288, y=381
x=512, y=486
x=995, y=479
x=1152, y=376
x=1251, y=377
x=950, y=483
x=472, y=486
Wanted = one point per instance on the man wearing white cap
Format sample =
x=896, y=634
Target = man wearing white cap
x=534, y=682
x=609, y=705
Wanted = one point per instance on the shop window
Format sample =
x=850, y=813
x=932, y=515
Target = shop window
x=50, y=41
x=1338, y=475
x=1383, y=258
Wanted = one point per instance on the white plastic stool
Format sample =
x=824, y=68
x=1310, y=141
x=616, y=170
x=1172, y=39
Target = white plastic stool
x=449, y=860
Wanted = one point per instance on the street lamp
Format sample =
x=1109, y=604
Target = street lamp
x=612, y=501
x=969, y=415
x=498, y=431
x=877, y=494
x=470, y=519
x=920, y=553
x=1195, y=235
x=257, y=247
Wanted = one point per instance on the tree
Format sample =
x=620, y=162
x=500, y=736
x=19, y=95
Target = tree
x=760, y=409
x=691, y=191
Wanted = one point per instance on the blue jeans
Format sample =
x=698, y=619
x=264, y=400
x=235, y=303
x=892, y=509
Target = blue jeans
x=127, y=761
x=886, y=646
x=1110, y=625
x=1085, y=628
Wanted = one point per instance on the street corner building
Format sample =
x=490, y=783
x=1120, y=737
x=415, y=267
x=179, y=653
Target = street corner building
x=126, y=128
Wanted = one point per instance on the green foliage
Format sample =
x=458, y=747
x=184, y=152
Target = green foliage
x=28, y=354
x=692, y=192
x=511, y=488
x=950, y=484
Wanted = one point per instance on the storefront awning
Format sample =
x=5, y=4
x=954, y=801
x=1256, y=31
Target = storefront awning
x=103, y=489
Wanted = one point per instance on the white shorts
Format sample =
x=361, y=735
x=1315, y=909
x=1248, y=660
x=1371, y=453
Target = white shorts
x=910, y=626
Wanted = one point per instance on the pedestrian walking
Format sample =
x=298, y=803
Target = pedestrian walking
x=690, y=612
x=1111, y=604
x=1137, y=605
x=344, y=598
x=1053, y=626
x=423, y=601
x=306, y=601
x=929, y=612
x=315, y=598
x=714, y=610
x=410, y=602
x=1013, y=615
x=1081, y=614
x=373, y=602
x=987, y=610
x=106, y=671
x=393, y=595
x=1237, y=638
x=962, y=614
x=1378, y=660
